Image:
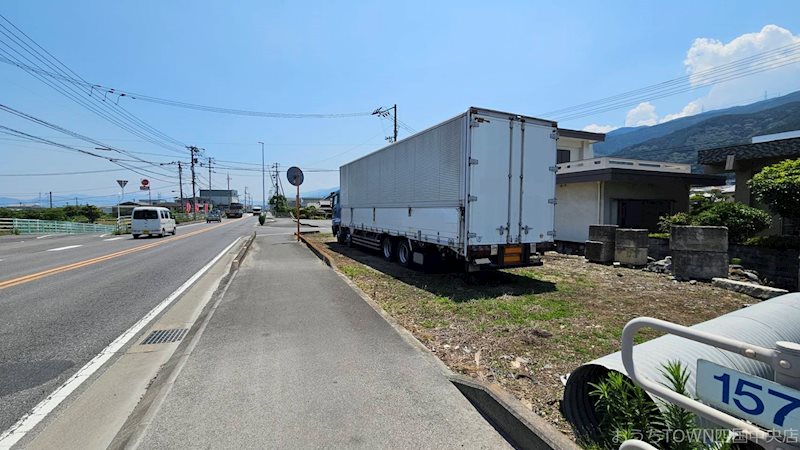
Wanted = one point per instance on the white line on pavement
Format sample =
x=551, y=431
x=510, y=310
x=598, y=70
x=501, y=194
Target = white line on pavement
x=64, y=248
x=103, y=235
x=46, y=406
x=42, y=237
x=115, y=238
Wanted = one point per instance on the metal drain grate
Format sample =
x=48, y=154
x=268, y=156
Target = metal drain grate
x=165, y=336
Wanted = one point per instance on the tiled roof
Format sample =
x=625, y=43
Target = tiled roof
x=771, y=149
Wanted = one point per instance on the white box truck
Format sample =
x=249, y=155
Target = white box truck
x=478, y=188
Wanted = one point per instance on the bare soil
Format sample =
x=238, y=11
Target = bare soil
x=525, y=328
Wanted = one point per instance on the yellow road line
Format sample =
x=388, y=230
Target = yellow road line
x=88, y=262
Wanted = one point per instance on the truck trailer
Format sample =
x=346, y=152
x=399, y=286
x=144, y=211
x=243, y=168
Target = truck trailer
x=478, y=188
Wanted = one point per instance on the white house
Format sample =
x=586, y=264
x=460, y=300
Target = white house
x=617, y=191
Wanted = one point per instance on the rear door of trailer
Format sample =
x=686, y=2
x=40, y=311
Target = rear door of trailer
x=511, y=179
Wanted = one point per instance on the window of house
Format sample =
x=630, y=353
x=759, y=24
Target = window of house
x=562, y=156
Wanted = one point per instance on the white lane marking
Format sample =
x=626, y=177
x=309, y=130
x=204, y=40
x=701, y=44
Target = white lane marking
x=46, y=406
x=103, y=235
x=64, y=248
x=116, y=238
x=45, y=236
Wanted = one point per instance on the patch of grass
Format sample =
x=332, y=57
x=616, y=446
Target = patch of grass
x=355, y=271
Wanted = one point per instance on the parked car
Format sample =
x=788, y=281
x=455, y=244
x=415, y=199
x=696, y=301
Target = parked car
x=214, y=216
x=152, y=221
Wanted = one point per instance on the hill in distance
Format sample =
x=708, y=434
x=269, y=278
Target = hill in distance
x=625, y=140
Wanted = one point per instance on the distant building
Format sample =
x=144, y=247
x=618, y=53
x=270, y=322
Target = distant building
x=746, y=160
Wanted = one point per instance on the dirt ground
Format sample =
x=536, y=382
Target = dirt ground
x=525, y=328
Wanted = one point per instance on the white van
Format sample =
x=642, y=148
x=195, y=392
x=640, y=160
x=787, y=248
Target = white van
x=151, y=220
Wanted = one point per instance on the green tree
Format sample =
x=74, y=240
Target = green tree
x=778, y=187
x=743, y=221
x=91, y=212
x=279, y=204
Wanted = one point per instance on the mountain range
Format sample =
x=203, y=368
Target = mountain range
x=678, y=140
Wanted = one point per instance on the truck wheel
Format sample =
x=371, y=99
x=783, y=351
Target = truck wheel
x=388, y=248
x=404, y=253
x=136, y=236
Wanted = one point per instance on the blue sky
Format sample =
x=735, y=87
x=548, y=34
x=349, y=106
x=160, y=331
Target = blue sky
x=434, y=59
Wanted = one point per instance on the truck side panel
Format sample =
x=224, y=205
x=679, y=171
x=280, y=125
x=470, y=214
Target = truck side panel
x=435, y=225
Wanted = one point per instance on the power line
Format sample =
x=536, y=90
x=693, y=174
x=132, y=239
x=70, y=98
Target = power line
x=753, y=64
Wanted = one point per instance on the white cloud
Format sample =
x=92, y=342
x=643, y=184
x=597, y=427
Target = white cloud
x=705, y=54
x=597, y=128
x=643, y=114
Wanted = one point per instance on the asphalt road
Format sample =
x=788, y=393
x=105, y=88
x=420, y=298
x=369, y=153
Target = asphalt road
x=63, y=299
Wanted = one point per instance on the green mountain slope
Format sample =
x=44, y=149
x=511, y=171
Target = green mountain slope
x=682, y=145
x=622, y=138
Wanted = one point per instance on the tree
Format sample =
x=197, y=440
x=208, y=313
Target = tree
x=743, y=221
x=778, y=187
x=279, y=204
x=91, y=212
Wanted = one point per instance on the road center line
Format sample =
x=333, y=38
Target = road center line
x=64, y=248
x=56, y=270
x=42, y=237
x=46, y=406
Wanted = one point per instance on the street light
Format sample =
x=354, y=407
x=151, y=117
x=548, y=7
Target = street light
x=263, y=183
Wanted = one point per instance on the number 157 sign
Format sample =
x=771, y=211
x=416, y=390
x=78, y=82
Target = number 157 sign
x=761, y=401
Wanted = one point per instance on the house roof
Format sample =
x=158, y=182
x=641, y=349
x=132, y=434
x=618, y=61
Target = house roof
x=760, y=150
x=567, y=133
x=639, y=176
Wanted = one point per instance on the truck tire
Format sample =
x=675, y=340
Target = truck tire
x=388, y=248
x=404, y=253
x=136, y=236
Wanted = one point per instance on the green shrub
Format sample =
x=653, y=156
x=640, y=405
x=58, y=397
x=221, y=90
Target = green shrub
x=778, y=186
x=625, y=409
x=665, y=223
x=743, y=221
x=658, y=235
x=262, y=218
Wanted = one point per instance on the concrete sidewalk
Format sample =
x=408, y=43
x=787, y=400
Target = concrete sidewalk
x=294, y=358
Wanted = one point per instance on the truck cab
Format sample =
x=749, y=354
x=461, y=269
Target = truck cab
x=336, y=212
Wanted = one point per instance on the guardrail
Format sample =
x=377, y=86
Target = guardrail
x=31, y=226
x=607, y=162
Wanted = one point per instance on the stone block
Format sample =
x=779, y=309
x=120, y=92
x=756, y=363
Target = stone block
x=599, y=252
x=631, y=237
x=691, y=265
x=698, y=239
x=753, y=290
x=602, y=233
x=631, y=256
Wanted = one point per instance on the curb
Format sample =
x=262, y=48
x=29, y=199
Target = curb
x=521, y=427
x=237, y=261
x=134, y=428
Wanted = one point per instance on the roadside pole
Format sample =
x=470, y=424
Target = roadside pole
x=122, y=184
x=295, y=177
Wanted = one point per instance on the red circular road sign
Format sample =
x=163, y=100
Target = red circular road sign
x=145, y=182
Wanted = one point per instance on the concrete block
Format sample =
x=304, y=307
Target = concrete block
x=602, y=233
x=599, y=252
x=631, y=237
x=753, y=290
x=631, y=256
x=698, y=239
x=689, y=265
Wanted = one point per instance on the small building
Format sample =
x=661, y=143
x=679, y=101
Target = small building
x=746, y=160
x=615, y=191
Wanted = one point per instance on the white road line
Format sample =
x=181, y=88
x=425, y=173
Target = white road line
x=45, y=236
x=64, y=248
x=115, y=238
x=103, y=235
x=46, y=406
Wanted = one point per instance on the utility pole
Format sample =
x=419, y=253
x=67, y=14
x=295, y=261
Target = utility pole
x=263, y=183
x=180, y=182
x=230, y=196
x=193, y=151
x=209, y=173
x=51, y=199
x=245, y=198
x=384, y=112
